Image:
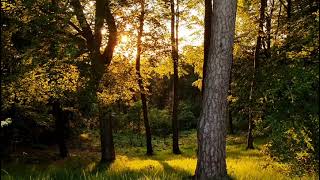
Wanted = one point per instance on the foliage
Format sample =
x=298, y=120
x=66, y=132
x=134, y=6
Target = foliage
x=160, y=121
x=187, y=119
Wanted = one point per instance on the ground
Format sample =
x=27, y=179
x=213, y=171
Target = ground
x=132, y=163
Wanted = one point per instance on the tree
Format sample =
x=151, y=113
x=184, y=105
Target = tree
x=140, y=83
x=256, y=59
x=211, y=162
x=175, y=59
x=99, y=62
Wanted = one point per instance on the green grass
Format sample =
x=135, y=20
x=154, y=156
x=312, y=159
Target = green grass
x=132, y=163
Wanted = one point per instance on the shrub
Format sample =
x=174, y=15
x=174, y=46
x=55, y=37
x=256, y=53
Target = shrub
x=160, y=121
x=186, y=116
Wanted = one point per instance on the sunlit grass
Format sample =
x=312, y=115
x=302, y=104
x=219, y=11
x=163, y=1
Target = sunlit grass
x=132, y=163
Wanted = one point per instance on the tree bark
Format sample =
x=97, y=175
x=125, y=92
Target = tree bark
x=175, y=57
x=140, y=82
x=212, y=126
x=207, y=37
x=257, y=53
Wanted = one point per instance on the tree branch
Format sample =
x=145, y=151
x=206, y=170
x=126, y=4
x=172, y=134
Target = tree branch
x=75, y=27
x=87, y=33
x=112, y=38
x=99, y=20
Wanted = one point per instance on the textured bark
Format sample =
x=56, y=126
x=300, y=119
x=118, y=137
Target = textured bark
x=140, y=82
x=257, y=53
x=175, y=58
x=207, y=36
x=212, y=126
x=99, y=63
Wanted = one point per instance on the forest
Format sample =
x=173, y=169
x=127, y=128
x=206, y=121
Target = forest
x=159, y=89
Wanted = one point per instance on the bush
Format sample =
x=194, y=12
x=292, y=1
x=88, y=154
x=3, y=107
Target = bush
x=160, y=121
x=186, y=116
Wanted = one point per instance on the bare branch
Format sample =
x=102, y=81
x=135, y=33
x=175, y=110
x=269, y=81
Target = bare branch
x=75, y=27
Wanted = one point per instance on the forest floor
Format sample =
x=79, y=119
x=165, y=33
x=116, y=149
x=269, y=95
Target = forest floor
x=132, y=163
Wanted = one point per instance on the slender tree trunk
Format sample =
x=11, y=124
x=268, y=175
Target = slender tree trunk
x=61, y=128
x=175, y=57
x=256, y=65
x=142, y=91
x=207, y=36
x=212, y=126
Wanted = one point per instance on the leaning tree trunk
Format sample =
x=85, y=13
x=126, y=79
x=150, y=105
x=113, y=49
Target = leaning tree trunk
x=256, y=65
x=175, y=57
x=212, y=126
x=140, y=83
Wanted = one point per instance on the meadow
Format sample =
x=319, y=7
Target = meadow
x=132, y=163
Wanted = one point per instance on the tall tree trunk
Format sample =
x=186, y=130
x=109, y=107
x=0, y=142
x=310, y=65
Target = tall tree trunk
x=175, y=57
x=207, y=36
x=257, y=53
x=140, y=83
x=212, y=126
x=61, y=128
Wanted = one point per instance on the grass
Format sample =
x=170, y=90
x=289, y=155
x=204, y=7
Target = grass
x=132, y=163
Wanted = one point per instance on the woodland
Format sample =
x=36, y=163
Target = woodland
x=159, y=89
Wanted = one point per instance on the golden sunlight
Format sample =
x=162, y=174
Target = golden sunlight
x=124, y=39
x=103, y=31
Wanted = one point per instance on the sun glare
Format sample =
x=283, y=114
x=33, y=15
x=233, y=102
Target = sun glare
x=124, y=39
x=103, y=31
